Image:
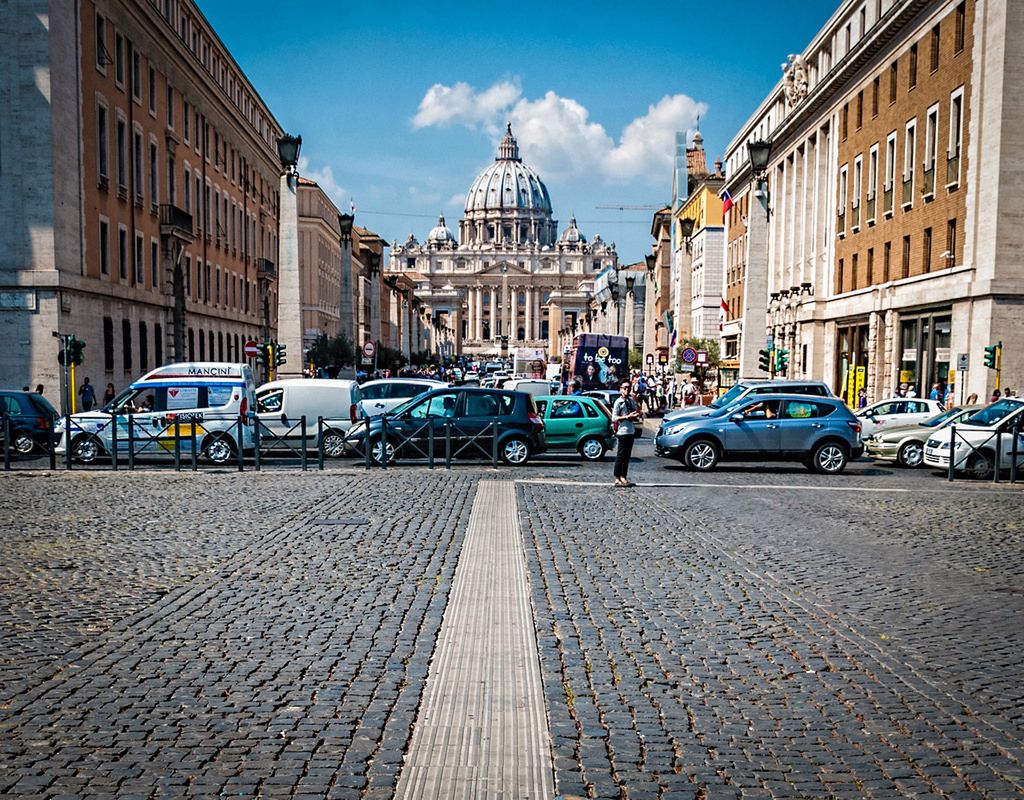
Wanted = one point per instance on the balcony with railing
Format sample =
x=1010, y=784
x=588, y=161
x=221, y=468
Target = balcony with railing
x=266, y=269
x=908, y=190
x=176, y=223
x=953, y=171
x=928, y=183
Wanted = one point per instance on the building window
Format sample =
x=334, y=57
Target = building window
x=858, y=180
x=140, y=263
x=926, y=255
x=950, y=243
x=136, y=76
x=844, y=121
x=840, y=277
x=909, y=148
x=871, y=266
x=893, y=72
x=152, y=94
x=154, y=175
x=875, y=85
x=961, y=26
x=956, y=128
x=931, y=146
x=122, y=164
x=143, y=347
x=154, y=262
x=843, y=199
x=191, y=344
x=890, y=172
x=104, y=247
x=103, y=156
x=934, y=60
x=202, y=345
x=872, y=187
x=101, y=44
x=170, y=108
x=158, y=345
x=187, y=190
x=905, y=266
x=137, y=164
x=854, y=263
x=912, y=69
x=126, y=344
x=172, y=182
x=122, y=252
x=119, y=60
x=184, y=120
x=860, y=110
x=108, y=344
x=886, y=262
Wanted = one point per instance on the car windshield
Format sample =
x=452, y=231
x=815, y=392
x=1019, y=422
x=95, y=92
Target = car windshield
x=728, y=397
x=405, y=406
x=995, y=413
x=941, y=419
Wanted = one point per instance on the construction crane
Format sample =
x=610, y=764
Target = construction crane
x=632, y=208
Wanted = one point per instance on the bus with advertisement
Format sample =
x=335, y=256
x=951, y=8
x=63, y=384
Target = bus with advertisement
x=598, y=360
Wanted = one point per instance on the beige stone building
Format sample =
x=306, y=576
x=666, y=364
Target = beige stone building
x=138, y=189
x=508, y=279
x=893, y=246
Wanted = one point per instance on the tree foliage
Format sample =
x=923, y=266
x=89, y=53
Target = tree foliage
x=332, y=353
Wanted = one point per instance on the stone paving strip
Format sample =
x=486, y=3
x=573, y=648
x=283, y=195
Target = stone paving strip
x=482, y=731
x=678, y=664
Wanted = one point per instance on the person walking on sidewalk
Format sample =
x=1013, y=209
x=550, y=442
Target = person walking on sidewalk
x=624, y=417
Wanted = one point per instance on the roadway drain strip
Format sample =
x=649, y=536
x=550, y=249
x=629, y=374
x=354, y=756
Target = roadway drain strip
x=482, y=729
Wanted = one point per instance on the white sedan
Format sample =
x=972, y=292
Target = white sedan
x=380, y=396
x=897, y=411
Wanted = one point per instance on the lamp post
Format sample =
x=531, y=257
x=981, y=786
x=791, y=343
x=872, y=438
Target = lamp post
x=289, y=306
x=347, y=305
x=755, y=291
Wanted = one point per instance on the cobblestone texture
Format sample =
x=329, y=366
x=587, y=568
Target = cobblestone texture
x=709, y=636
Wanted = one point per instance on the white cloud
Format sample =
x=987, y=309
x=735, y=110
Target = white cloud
x=462, y=104
x=556, y=134
x=324, y=176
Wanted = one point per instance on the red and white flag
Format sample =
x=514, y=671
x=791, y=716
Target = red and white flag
x=726, y=201
x=723, y=314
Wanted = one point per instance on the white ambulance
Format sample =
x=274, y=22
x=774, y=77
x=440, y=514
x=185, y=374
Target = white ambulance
x=209, y=401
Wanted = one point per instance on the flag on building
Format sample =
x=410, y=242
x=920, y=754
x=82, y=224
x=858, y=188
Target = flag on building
x=726, y=201
x=672, y=343
x=723, y=314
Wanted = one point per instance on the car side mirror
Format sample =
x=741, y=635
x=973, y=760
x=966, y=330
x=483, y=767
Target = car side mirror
x=736, y=418
x=284, y=418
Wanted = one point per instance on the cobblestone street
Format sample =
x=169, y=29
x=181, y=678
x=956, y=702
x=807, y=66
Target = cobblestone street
x=746, y=633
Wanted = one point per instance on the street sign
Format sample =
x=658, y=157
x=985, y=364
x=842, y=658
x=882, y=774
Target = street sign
x=702, y=356
x=251, y=349
x=963, y=362
x=369, y=349
x=662, y=358
x=650, y=358
x=769, y=342
x=689, y=355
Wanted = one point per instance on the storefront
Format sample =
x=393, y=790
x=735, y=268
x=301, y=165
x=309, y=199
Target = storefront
x=924, y=354
x=852, y=363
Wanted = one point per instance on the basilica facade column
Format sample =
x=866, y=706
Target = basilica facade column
x=513, y=314
x=478, y=298
x=529, y=314
x=494, y=313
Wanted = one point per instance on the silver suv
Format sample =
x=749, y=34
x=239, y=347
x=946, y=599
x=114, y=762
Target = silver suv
x=819, y=431
x=746, y=388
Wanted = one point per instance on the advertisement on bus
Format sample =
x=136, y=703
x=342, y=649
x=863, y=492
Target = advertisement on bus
x=598, y=360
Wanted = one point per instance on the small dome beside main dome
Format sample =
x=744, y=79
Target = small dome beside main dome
x=441, y=234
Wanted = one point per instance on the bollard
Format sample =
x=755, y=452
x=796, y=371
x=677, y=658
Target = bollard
x=430, y=442
x=302, y=429
x=67, y=434
x=177, y=445
x=131, y=442
x=494, y=443
x=447, y=443
x=256, y=444
x=113, y=439
x=952, y=450
x=384, y=441
x=320, y=443
x=998, y=465
x=7, y=442
x=238, y=443
x=53, y=444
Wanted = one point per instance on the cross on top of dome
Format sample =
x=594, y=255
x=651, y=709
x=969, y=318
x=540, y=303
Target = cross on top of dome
x=508, y=150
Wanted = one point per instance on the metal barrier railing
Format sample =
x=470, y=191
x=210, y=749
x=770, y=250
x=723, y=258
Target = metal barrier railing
x=972, y=462
x=425, y=440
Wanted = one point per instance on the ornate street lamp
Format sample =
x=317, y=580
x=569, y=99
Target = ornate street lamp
x=686, y=225
x=288, y=147
x=759, y=152
x=345, y=224
x=652, y=262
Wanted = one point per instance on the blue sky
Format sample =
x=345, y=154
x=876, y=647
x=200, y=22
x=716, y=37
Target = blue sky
x=400, y=105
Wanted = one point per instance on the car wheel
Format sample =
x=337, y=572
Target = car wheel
x=980, y=465
x=701, y=455
x=515, y=451
x=378, y=454
x=24, y=443
x=333, y=444
x=592, y=449
x=86, y=449
x=911, y=455
x=829, y=458
x=219, y=450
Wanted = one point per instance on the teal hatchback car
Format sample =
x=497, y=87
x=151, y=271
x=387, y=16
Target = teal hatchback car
x=576, y=424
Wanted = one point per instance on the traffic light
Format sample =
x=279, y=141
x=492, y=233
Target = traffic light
x=992, y=353
x=73, y=347
x=781, y=360
x=280, y=354
x=764, y=360
x=263, y=354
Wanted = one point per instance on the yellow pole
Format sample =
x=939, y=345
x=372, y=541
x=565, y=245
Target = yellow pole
x=270, y=362
x=999, y=362
x=73, y=389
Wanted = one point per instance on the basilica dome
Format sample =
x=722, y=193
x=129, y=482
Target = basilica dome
x=441, y=235
x=508, y=184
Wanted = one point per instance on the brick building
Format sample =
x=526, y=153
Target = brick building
x=141, y=202
x=892, y=242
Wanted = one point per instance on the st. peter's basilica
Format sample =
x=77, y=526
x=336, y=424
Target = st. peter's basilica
x=508, y=278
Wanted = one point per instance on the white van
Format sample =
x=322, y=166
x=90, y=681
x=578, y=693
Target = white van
x=383, y=395
x=532, y=386
x=281, y=405
x=208, y=399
